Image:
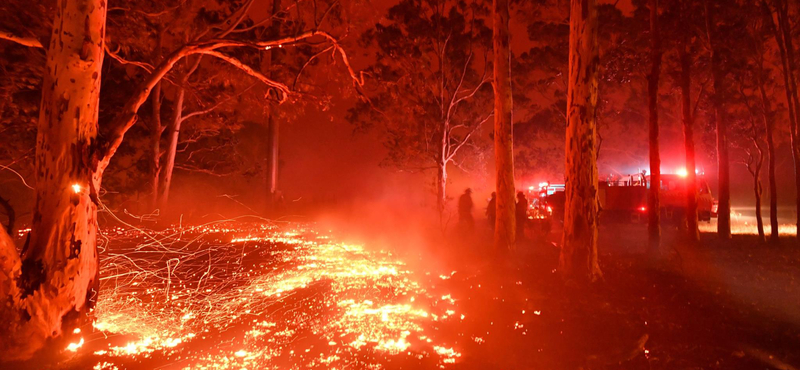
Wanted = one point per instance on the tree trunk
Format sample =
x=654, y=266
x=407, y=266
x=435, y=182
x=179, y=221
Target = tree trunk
x=693, y=233
x=723, y=160
x=441, y=188
x=156, y=129
x=155, y=147
x=766, y=116
x=758, y=190
x=174, y=131
x=273, y=141
x=791, y=73
x=52, y=288
x=654, y=206
x=790, y=87
x=578, y=260
x=56, y=282
x=273, y=156
x=505, y=227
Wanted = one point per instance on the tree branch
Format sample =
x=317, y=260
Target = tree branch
x=282, y=88
x=297, y=77
x=127, y=117
x=465, y=140
x=3, y=167
x=242, y=11
x=474, y=91
x=699, y=97
x=202, y=170
x=22, y=40
x=453, y=101
x=113, y=54
x=215, y=106
x=265, y=20
x=146, y=14
x=147, y=67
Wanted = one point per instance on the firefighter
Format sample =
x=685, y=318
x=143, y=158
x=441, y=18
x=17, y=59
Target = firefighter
x=491, y=210
x=521, y=215
x=465, y=219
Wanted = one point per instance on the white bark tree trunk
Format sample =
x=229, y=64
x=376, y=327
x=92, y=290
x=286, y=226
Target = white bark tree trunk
x=156, y=130
x=173, y=134
x=505, y=224
x=578, y=260
x=441, y=188
x=56, y=282
x=155, y=147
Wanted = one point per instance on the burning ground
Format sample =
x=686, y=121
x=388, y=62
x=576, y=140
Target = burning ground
x=259, y=296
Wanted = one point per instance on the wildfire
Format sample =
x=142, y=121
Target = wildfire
x=279, y=295
x=743, y=224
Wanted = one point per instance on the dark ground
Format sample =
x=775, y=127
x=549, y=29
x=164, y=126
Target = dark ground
x=716, y=305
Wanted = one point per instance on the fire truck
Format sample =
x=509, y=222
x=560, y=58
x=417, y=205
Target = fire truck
x=624, y=199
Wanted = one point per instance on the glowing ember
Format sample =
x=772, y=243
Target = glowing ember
x=74, y=346
x=277, y=296
x=747, y=228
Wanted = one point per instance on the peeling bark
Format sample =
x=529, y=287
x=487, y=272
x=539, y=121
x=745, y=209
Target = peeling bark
x=578, y=260
x=505, y=223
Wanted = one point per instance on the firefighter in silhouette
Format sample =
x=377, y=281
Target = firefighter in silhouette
x=491, y=210
x=521, y=215
x=465, y=219
x=280, y=203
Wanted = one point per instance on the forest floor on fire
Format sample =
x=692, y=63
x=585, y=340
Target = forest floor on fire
x=252, y=295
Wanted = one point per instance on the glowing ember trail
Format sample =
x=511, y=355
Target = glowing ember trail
x=257, y=296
